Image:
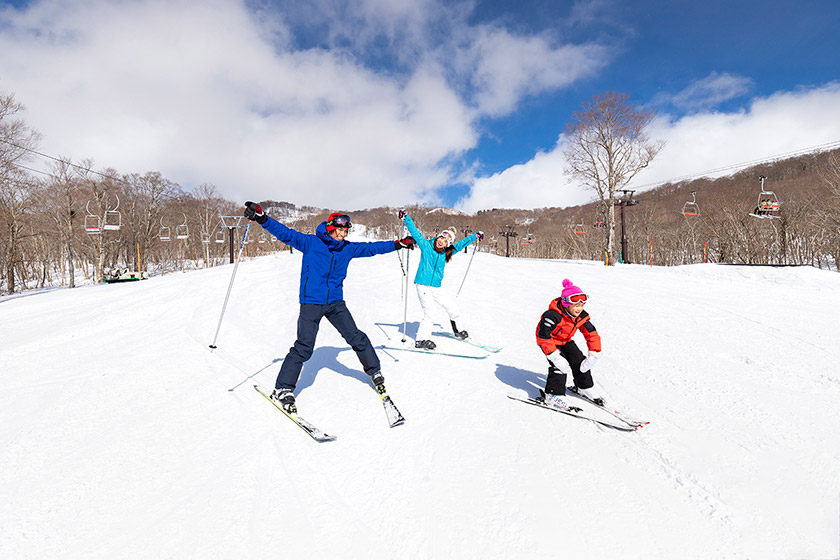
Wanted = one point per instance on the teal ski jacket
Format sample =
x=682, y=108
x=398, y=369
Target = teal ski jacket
x=432, y=263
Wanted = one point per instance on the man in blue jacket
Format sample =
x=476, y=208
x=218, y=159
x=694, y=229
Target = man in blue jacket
x=326, y=255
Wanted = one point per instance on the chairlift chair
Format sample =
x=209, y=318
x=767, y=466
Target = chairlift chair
x=767, y=205
x=205, y=237
x=262, y=238
x=220, y=236
x=579, y=229
x=113, y=218
x=93, y=224
x=182, y=231
x=600, y=218
x=690, y=208
x=164, y=233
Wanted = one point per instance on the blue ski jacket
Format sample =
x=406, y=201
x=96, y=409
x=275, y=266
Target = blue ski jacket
x=432, y=263
x=325, y=260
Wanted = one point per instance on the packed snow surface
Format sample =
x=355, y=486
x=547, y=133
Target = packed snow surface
x=124, y=436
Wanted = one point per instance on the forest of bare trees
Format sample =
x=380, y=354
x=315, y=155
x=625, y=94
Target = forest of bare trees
x=71, y=221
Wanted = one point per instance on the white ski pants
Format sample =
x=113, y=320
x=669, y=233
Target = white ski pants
x=429, y=296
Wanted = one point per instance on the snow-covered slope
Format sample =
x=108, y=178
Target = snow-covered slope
x=125, y=437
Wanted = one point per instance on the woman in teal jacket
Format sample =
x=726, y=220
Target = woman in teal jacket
x=435, y=253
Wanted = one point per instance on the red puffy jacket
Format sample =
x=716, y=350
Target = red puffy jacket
x=556, y=328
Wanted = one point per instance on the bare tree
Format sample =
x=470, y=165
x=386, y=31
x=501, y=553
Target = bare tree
x=607, y=146
x=831, y=179
x=60, y=200
x=16, y=189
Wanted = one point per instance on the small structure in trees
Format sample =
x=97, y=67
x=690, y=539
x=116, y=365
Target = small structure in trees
x=690, y=208
x=113, y=218
x=182, y=231
x=93, y=223
x=164, y=233
x=768, y=203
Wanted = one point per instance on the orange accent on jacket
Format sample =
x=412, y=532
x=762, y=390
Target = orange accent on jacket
x=556, y=328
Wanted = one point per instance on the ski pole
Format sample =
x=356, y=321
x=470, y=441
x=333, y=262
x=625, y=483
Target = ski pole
x=468, y=269
x=405, y=307
x=402, y=292
x=230, y=286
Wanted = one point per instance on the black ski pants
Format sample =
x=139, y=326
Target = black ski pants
x=555, y=383
x=309, y=321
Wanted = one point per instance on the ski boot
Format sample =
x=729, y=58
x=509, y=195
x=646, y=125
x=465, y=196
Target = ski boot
x=377, y=378
x=285, y=399
x=557, y=401
x=458, y=334
x=378, y=381
x=590, y=394
x=425, y=344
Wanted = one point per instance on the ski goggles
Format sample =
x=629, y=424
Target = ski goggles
x=577, y=298
x=341, y=220
x=448, y=235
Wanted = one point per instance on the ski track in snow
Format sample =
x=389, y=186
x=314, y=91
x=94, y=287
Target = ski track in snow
x=124, y=436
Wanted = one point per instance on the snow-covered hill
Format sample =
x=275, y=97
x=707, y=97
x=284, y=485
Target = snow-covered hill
x=125, y=437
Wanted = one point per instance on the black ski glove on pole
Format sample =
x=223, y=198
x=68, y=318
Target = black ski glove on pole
x=254, y=212
x=405, y=243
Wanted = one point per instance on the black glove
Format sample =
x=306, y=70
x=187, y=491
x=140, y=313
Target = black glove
x=402, y=214
x=480, y=235
x=405, y=243
x=253, y=211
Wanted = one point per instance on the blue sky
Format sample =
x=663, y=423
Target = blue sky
x=358, y=104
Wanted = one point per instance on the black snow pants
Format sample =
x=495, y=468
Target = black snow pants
x=309, y=321
x=555, y=383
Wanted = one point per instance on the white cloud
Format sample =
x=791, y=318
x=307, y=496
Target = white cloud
x=779, y=124
x=203, y=91
x=509, y=67
x=709, y=92
x=782, y=123
x=538, y=183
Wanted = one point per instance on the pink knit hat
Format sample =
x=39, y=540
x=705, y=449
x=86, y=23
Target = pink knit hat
x=570, y=290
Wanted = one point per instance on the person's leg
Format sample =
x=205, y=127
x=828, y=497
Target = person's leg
x=555, y=383
x=339, y=316
x=570, y=351
x=446, y=300
x=427, y=303
x=307, y=330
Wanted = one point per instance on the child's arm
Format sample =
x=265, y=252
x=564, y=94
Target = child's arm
x=593, y=339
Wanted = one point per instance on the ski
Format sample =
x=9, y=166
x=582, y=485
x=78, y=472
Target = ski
x=468, y=340
x=395, y=418
x=582, y=416
x=632, y=422
x=435, y=352
x=310, y=429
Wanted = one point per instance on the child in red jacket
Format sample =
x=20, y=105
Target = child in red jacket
x=564, y=317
